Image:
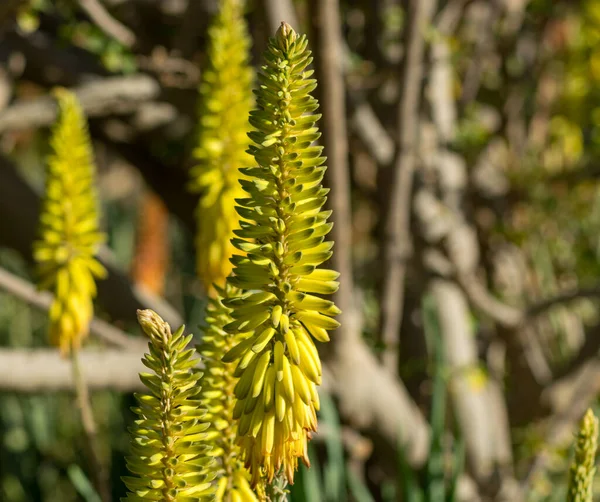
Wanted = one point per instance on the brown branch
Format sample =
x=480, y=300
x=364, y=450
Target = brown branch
x=369, y=129
x=108, y=24
x=102, y=97
x=479, y=296
x=397, y=245
x=42, y=300
x=328, y=51
x=44, y=370
x=513, y=317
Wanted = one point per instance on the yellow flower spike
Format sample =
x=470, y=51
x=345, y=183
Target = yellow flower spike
x=583, y=468
x=232, y=480
x=68, y=233
x=171, y=452
x=283, y=235
x=226, y=99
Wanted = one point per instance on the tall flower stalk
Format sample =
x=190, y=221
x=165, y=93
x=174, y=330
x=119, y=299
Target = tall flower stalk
x=283, y=235
x=218, y=382
x=64, y=252
x=170, y=454
x=225, y=102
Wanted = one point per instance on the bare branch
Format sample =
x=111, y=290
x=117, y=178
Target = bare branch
x=44, y=370
x=397, y=245
x=502, y=313
x=367, y=126
x=108, y=24
x=107, y=96
x=513, y=317
x=328, y=38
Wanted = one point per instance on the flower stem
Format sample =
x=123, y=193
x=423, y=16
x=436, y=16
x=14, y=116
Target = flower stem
x=100, y=476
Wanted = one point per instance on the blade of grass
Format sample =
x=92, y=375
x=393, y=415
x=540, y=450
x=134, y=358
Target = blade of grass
x=334, y=469
x=82, y=484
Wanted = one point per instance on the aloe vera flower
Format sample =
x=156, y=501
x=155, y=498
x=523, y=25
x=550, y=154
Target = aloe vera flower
x=170, y=455
x=283, y=235
x=68, y=234
x=226, y=99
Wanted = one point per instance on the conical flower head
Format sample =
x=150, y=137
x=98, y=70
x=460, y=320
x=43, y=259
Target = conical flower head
x=170, y=456
x=581, y=475
x=68, y=233
x=226, y=99
x=283, y=236
x=231, y=477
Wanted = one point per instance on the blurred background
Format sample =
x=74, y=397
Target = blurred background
x=463, y=144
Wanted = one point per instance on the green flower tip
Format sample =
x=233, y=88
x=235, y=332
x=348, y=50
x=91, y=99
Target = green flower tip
x=583, y=466
x=587, y=438
x=153, y=325
x=285, y=35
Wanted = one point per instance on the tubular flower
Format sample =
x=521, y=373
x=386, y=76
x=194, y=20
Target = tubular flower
x=218, y=382
x=283, y=236
x=226, y=100
x=581, y=475
x=170, y=454
x=68, y=234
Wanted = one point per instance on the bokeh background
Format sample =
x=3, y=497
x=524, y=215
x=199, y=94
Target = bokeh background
x=463, y=139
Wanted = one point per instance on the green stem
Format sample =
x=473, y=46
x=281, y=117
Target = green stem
x=99, y=473
x=276, y=491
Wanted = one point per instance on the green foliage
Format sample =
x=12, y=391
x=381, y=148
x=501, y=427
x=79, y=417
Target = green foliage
x=330, y=479
x=583, y=468
x=170, y=455
x=283, y=234
x=438, y=484
x=68, y=233
x=225, y=102
x=218, y=382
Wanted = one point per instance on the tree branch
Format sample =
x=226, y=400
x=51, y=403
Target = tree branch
x=108, y=24
x=44, y=370
x=397, y=244
x=102, y=97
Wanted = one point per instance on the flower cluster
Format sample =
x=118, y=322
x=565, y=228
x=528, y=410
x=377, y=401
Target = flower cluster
x=282, y=236
x=68, y=234
x=226, y=100
x=170, y=453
